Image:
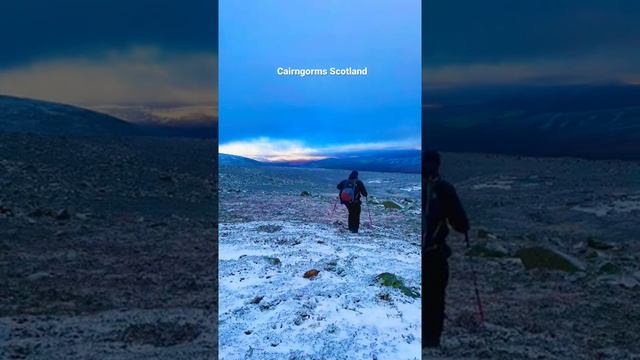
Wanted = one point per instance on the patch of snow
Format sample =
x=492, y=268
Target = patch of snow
x=497, y=184
x=412, y=188
x=625, y=205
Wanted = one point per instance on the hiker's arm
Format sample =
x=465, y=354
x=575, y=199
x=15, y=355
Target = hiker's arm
x=363, y=189
x=455, y=212
x=340, y=185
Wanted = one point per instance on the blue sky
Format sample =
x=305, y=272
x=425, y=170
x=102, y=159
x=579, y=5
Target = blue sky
x=318, y=116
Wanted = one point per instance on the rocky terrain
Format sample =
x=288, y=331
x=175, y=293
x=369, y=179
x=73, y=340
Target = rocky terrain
x=295, y=284
x=574, y=224
x=107, y=248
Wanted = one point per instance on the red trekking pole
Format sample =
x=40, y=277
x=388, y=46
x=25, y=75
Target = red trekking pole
x=334, y=207
x=475, y=285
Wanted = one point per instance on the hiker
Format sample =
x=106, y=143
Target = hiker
x=351, y=191
x=441, y=209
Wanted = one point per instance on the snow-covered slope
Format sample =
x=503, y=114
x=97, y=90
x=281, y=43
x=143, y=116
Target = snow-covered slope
x=270, y=235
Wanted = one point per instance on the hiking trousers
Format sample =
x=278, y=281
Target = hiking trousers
x=435, y=276
x=354, y=216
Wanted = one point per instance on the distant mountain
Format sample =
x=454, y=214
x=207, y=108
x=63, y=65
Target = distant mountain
x=47, y=118
x=404, y=161
x=168, y=120
x=235, y=160
x=583, y=121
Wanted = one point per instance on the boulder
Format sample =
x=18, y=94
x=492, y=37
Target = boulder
x=539, y=257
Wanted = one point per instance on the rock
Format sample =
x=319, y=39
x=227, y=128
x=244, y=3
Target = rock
x=39, y=213
x=269, y=228
x=598, y=245
x=6, y=211
x=4, y=248
x=82, y=216
x=311, y=274
x=62, y=214
x=609, y=268
x=305, y=193
x=626, y=281
x=391, y=280
x=166, y=178
x=256, y=300
x=39, y=276
x=390, y=204
x=487, y=250
x=273, y=260
x=592, y=255
x=331, y=265
x=538, y=257
x=161, y=334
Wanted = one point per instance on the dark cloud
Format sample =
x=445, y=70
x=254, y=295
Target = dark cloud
x=31, y=30
x=469, y=31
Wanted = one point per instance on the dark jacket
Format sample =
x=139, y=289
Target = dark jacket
x=360, y=189
x=441, y=210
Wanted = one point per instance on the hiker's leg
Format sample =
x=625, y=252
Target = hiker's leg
x=357, y=208
x=351, y=216
x=435, y=275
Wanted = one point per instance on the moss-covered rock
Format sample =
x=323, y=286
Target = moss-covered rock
x=391, y=280
x=538, y=257
x=390, y=204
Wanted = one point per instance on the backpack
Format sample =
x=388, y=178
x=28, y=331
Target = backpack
x=348, y=193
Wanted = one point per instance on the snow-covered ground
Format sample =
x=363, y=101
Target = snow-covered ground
x=268, y=310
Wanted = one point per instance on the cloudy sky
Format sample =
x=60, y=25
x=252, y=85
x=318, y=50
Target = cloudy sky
x=123, y=52
x=106, y=52
x=270, y=117
x=469, y=42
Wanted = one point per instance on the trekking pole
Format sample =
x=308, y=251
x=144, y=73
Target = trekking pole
x=334, y=208
x=369, y=211
x=474, y=276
